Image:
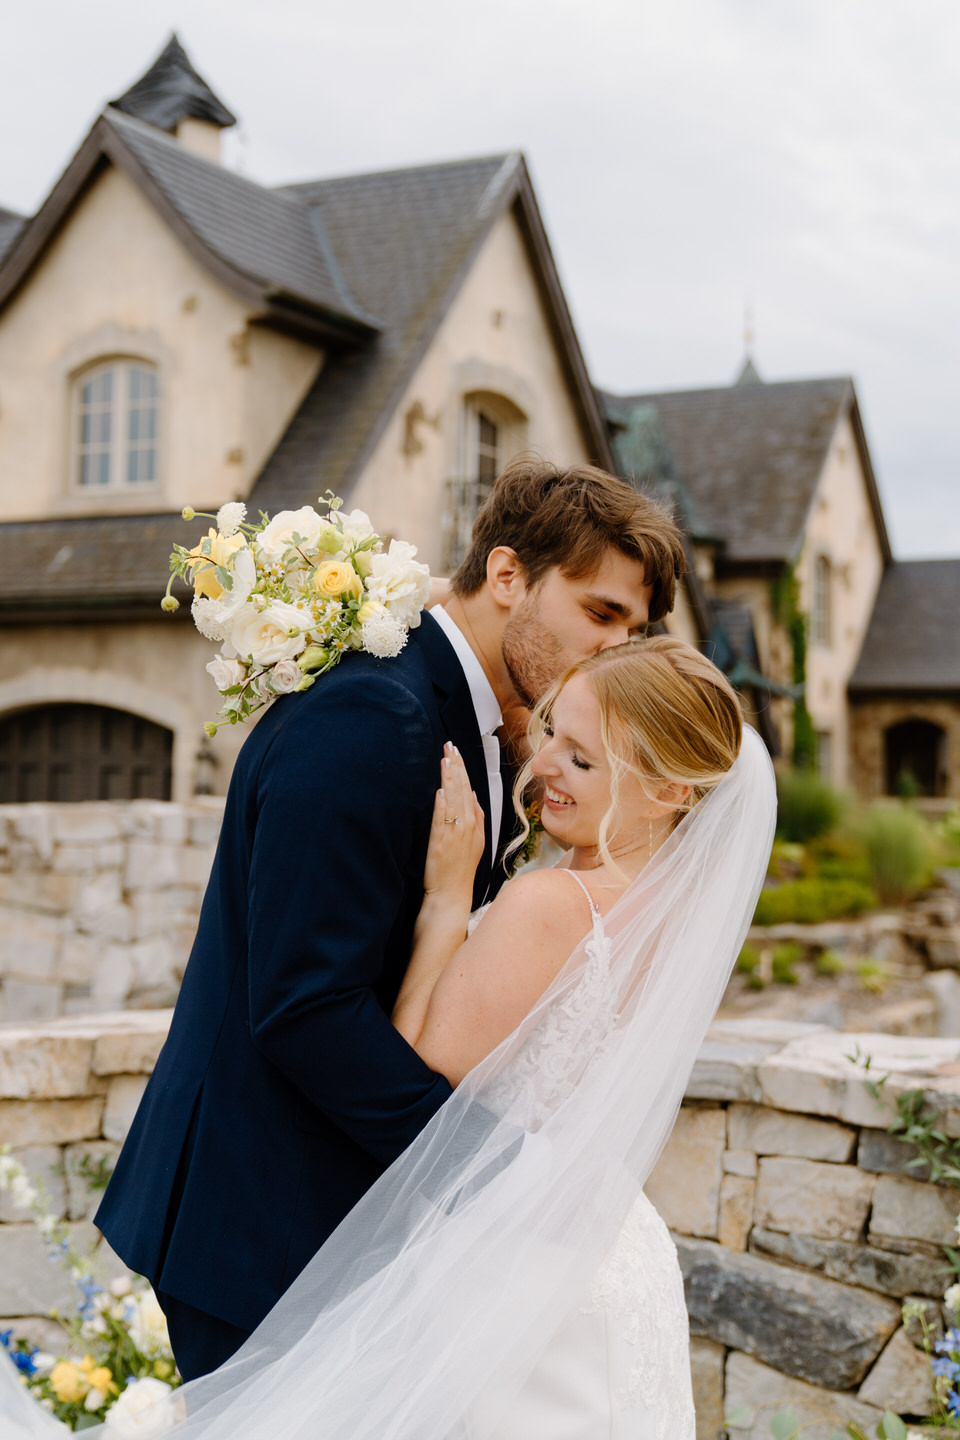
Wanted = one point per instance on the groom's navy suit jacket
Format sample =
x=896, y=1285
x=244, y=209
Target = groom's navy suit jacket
x=283, y=1090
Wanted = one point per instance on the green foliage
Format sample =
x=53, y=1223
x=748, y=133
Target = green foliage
x=874, y=975
x=915, y=1124
x=748, y=959
x=96, y=1170
x=841, y=855
x=948, y=833
x=899, y=850
x=809, y=902
x=807, y=806
x=785, y=604
x=785, y=957
x=830, y=963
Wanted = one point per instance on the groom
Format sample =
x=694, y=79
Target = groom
x=283, y=1090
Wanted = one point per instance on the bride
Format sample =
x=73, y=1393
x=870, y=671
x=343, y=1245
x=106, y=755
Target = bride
x=506, y=1279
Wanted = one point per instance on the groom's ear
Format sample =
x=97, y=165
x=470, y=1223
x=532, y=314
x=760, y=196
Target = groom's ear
x=506, y=577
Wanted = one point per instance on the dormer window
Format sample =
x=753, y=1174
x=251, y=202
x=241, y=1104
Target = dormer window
x=115, y=428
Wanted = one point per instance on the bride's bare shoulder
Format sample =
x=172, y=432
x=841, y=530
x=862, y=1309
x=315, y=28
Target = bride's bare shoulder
x=546, y=896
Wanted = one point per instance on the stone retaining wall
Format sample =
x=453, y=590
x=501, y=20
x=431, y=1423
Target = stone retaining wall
x=799, y=1227
x=99, y=903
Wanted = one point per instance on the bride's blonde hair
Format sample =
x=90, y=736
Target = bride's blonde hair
x=668, y=716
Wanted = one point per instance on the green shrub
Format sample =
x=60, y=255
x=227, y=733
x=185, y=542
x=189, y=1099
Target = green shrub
x=899, y=849
x=874, y=975
x=807, y=806
x=748, y=959
x=830, y=963
x=948, y=833
x=841, y=855
x=785, y=956
x=808, y=902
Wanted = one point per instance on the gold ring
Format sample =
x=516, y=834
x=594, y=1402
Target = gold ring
x=454, y=821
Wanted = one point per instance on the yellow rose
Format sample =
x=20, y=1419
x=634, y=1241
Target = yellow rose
x=101, y=1378
x=370, y=610
x=68, y=1382
x=205, y=581
x=335, y=580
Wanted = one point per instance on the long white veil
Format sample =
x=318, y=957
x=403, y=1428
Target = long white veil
x=448, y=1279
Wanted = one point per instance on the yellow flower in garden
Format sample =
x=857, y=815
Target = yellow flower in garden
x=205, y=581
x=68, y=1382
x=336, y=580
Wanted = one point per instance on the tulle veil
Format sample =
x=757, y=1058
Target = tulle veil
x=448, y=1279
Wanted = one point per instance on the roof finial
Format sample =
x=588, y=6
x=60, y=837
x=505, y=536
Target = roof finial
x=749, y=375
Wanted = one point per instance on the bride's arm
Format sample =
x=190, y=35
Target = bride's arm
x=454, y=1014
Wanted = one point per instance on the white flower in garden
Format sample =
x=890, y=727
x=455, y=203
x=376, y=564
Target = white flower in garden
x=265, y=634
x=8, y=1168
x=230, y=517
x=148, y=1325
x=43, y=1363
x=952, y=1298
x=23, y=1192
x=399, y=582
x=144, y=1411
x=121, y=1285
x=276, y=539
x=90, y=1329
x=225, y=673
x=383, y=636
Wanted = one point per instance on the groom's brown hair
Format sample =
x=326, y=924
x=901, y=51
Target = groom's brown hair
x=568, y=517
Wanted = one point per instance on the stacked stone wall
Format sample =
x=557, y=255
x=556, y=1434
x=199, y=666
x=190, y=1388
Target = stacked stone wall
x=800, y=1226
x=99, y=903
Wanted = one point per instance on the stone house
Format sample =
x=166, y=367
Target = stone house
x=790, y=543
x=174, y=333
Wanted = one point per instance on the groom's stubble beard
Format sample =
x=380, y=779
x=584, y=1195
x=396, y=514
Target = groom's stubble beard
x=532, y=654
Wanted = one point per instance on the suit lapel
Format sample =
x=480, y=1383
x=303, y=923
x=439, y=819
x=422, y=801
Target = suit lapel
x=459, y=722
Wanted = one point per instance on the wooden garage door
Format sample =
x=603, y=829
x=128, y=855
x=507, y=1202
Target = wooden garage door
x=83, y=752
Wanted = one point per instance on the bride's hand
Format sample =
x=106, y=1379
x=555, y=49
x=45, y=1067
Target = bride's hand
x=456, y=834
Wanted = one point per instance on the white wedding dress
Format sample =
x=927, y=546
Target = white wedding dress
x=618, y=1366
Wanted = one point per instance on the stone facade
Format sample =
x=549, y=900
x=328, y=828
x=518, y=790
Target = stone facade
x=871, y=718
x=799, y=1226
x=99, y=903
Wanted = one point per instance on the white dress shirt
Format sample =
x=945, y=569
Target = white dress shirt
x=487, y=710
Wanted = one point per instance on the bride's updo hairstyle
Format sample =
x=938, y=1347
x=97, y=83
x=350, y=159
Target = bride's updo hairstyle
x=668, y=716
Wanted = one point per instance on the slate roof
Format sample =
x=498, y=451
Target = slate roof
x=404, y=239
x=171, y=91
x=10, y=226
x=913, y=641
x=84, y=564
x=750, y=456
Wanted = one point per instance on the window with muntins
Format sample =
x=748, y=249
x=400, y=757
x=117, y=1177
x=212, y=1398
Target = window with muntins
x=820, y=617
x=115, y=428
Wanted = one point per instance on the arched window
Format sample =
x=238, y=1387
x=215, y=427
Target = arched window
x=494, y=430
x=83, y=752
x=915, y=752
x=116, y=412
x=820, y=616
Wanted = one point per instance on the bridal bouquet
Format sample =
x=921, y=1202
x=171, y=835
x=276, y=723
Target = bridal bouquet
x=286, y=598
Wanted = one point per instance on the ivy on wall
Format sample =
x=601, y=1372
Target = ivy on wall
x=785, y=605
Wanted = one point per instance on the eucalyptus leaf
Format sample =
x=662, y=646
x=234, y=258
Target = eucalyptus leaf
x=784, y=1424
x=740, y=1418
x=891, y=1427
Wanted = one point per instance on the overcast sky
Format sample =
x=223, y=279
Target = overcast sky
x=689, y=156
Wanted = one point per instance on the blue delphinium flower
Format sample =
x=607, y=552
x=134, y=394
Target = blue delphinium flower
x=945, y=1368
x=953, y=1402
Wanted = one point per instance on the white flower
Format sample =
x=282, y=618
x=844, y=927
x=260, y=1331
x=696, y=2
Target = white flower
x=8, y=1168
x=383, y=636
x=144, y=1411
x=46, y=1224
x=121, y=1286
x=265, y=634
x=356, y=528
x=94, y=1399
x=148, y=1326
x=285, y=676
x=230, y=517
x=91, y=1328
x=213, y=617
x=225, y=673
x=276, y=538
x=952, y=1298
x=23, y=1192
x=42, y=1362
x=399, y=582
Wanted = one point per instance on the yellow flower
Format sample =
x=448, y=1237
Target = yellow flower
x=205, y=581
x=336, y=580
x=101, y=1378
x=162, y=1369
x=68, y=1382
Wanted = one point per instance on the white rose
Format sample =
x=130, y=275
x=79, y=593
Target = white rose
x=225, y=673
x=399, y=582
x=121, y=1286
x=148, y=1325
x=144, y=1411
x=265, y=634
x=285, y=676
x=357, y=527
x=276, y=538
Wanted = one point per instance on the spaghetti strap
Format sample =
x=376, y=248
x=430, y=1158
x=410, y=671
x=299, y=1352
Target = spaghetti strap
x=594, y=907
